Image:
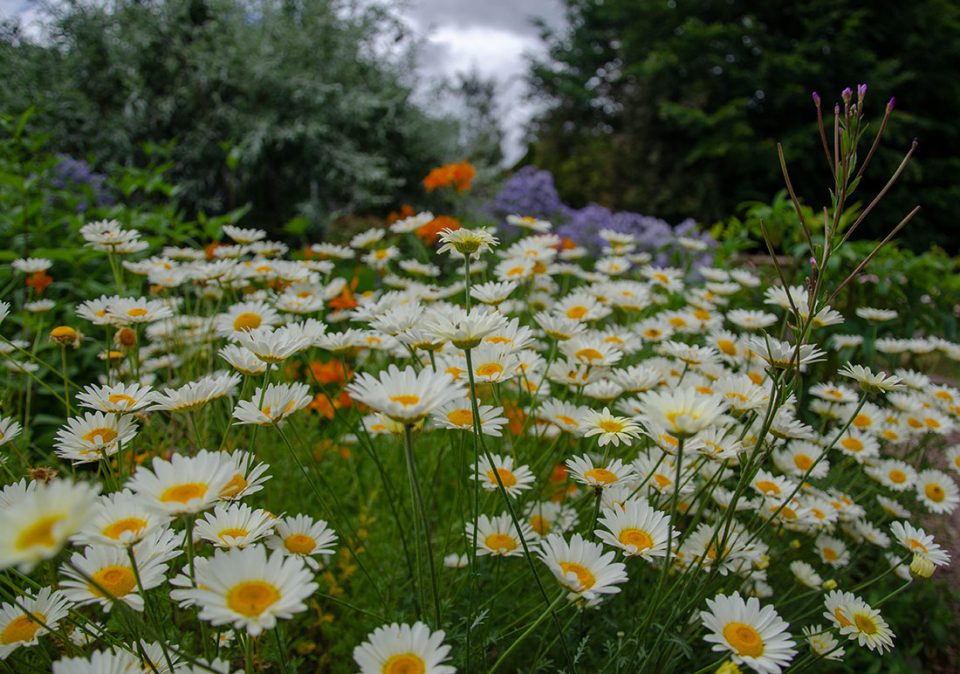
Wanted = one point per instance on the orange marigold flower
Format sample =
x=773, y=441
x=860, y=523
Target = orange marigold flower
x=430, y=232
x=458, y=175
x=345, y=300
x=329, y=372
x=209, y=248
x=39, y=281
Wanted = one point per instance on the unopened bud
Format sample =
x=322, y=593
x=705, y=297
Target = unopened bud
x=125, y=337
x=830, y=584
x=861, y=92
x=921, y=567
x=892, y=102
x=64, y=334
x=816, y=99
x=728, y=668
x=846, y=94
x=813, y=262
x=795, y=544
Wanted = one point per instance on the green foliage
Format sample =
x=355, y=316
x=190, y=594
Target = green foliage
x=296, y=107
x=675, y=107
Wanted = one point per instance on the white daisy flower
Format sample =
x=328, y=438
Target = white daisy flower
x=274, y=405
x=246, y=589
x=515, y=479
x=937, y=491
x=406, y=396
x=637, y=529
x=197, y=393
x=236, y=525
x=498, y=536
x=756, y=637
x=32, y=615
x=117, y=398
x=184, y=484
x=585, y=471
x=94, y=436
x=303, y=536
x=582, y=568
x=403, y=649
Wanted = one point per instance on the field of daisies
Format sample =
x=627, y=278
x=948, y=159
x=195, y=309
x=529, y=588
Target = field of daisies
x=448, y=447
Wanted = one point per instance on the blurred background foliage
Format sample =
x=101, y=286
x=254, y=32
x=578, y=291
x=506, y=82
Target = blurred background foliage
x=674, y=107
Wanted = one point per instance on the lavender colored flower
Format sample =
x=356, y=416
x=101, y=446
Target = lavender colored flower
x=77, y=175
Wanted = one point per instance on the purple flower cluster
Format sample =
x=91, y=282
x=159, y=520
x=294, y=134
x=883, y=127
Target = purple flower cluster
x=76, y=174
x=531, y=191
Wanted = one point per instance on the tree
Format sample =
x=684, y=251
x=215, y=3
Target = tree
x=300, y=107
x=674, y=108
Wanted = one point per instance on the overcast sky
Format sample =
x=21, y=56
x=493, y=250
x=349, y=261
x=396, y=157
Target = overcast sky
x=492, y=36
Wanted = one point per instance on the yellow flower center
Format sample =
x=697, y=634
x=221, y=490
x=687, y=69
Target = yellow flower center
x=897, y=476
x=404, y=663
x=611, y=425
x=252, y=597
x=184, y=493
x=638, y=538
x=506, y=476
x=585, y=577
x=118, y=581
x=299, y=544
x=830, y=554
x=841, y=619
x=233, y=532
x=540, y=524
x=405, y=400
x=916, y=545
x=934, y=492
x=137, y=312
x=40, y=533
x=116, y=529
x=601, y=475
x=727, y=346
x=851, y=443
x=500, y=543
x=100, y=436
x=865, y=624
x=21, y=628
x=247, y=321
x=862, y=421
x=768, y=487
x=115, y=398
x=236, y=484
x=588, y=355
x=489, y=370
x=460, y=417
x=577, y=312
x=744, y=639
x=802, y=461
x=497, y=339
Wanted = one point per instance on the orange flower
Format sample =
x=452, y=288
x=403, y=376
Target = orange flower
x=515, y=417
x=430, y=232
x=325, y=407
x=329, y=372
x=209, y=248
x=458, y=175
x=39, y=281
x=406, y=210
x=567, y=244
x=345, y=300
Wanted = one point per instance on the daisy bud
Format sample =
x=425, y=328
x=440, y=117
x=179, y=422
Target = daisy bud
x=125, y=337
x=921, y=567
x=728, y=668
x=64, y=334
x=795, y=544
x=830, y=584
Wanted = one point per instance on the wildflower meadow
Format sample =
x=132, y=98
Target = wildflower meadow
x=486, y=443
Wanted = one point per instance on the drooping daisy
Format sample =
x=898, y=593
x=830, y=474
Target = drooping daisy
x=37, y=521
x=582, y=568
x=22, y=623
x=117, y=398
x=464, y=329
x=757, y=637
x=823, y=643
x=406, y=396
x=458, y=415
x=585, y=471
x=246, y=589
x=465, y=241
x=637, y=529
x=9, y=429
x=498, y=536
x=870, y=382
x=806, y=574
x=184, y=484
x=303, y=536
x=919, y=542
x=515, y=479
x=783, y=355
x=403, y=649
x=248, y=475
x=937, y=491
x=99, y=662
x=274, y=405
x=197, y=393
x=242, y=360
x=236, y=525
x=611, y=429
x=94, y=436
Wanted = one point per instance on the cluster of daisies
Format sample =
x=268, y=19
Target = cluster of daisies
x=637, y=428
